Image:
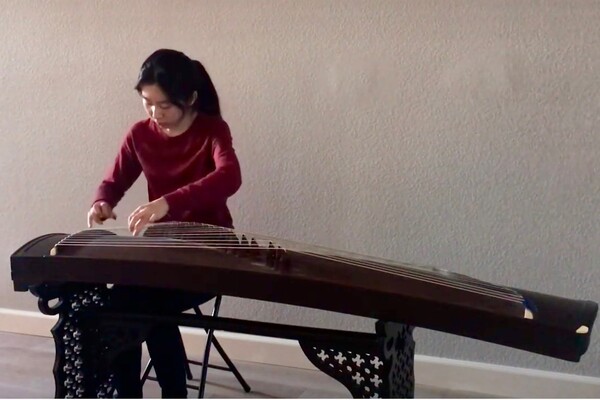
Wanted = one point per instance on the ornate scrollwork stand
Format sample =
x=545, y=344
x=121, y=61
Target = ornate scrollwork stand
x=86, y=345
x=382, y=370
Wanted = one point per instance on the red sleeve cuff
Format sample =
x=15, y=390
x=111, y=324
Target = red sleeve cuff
x=176, y=202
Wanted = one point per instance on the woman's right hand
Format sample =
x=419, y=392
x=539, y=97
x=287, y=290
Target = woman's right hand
x=100, y=212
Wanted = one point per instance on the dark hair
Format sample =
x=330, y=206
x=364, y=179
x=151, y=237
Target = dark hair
x=179, y=77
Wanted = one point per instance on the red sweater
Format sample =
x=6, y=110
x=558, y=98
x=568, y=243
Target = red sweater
x=195, y=172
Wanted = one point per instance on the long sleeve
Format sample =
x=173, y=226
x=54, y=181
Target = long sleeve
x=216, y=186
x=123, y=173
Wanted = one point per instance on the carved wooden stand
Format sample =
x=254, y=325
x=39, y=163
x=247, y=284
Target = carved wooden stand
x=383, y=370
x=87, y=340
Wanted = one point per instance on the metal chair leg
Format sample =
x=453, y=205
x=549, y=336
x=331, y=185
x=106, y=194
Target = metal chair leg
x=207, y=350
x=188, y=371
x=146, y=374
x=150, y=365
x=230, y=365
x=211, y=339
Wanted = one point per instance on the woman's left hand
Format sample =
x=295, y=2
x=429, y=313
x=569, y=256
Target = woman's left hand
x=146, y=213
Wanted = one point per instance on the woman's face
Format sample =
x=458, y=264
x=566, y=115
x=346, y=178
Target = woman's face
x=159, y=108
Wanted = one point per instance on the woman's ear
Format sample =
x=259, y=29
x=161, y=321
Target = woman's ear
x=193, y=98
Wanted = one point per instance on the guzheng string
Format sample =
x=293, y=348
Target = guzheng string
x=190, y=235
x=210, y=235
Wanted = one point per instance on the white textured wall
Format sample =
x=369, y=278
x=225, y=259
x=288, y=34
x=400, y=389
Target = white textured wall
x=462, y=134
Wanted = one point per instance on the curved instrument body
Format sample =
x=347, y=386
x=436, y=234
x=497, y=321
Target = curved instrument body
x=205, y=258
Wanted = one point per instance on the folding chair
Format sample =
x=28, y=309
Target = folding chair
x=211, y=339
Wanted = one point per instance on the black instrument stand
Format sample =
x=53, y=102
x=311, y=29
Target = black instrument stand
x=88, y=336
x=384, y=369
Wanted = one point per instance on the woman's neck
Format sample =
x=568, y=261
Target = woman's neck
x=184, y=124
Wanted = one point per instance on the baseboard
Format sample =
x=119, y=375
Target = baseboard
x=26, y=322
x=446, y=374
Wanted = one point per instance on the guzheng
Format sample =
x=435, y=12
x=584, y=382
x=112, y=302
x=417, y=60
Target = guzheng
x=205, y=258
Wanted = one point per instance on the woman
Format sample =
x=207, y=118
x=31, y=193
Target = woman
x=185, y=151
